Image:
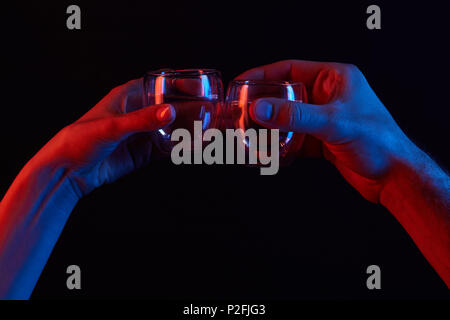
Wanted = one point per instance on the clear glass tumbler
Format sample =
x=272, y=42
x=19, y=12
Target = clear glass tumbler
x=196, y=94
x=240, y=95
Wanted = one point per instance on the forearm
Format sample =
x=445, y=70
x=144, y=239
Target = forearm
x=418, y=195
x=32, y=215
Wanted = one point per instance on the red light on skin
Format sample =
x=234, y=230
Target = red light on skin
x=326, y=86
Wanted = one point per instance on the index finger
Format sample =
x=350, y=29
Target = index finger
x=295, y=70
x=125, y=98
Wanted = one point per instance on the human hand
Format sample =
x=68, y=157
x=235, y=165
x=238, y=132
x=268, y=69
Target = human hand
x=103, y=145
x=109, y=141
x=350, y=124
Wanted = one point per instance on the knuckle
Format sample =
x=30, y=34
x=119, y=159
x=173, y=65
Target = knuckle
x=110, y=125
x=67, y=132
x=135, y=85
x=130, y=92
x=352, y=69
x=115, y=94
x=117, y=90
x=64, y=140
x=124, y=89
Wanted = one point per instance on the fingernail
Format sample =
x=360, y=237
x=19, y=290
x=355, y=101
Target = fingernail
x=164, y=113
x=263, y=110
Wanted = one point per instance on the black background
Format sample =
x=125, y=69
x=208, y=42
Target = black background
x=184, y=232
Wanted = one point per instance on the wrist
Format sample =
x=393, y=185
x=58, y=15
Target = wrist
x=412, y=171
x=38, y=181
x=33, y=213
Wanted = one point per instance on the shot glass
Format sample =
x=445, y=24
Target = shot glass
x=196, y=94
x=241, y=94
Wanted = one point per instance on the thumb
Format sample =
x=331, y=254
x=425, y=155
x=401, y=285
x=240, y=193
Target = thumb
x=288, y=115
x=146, y=119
